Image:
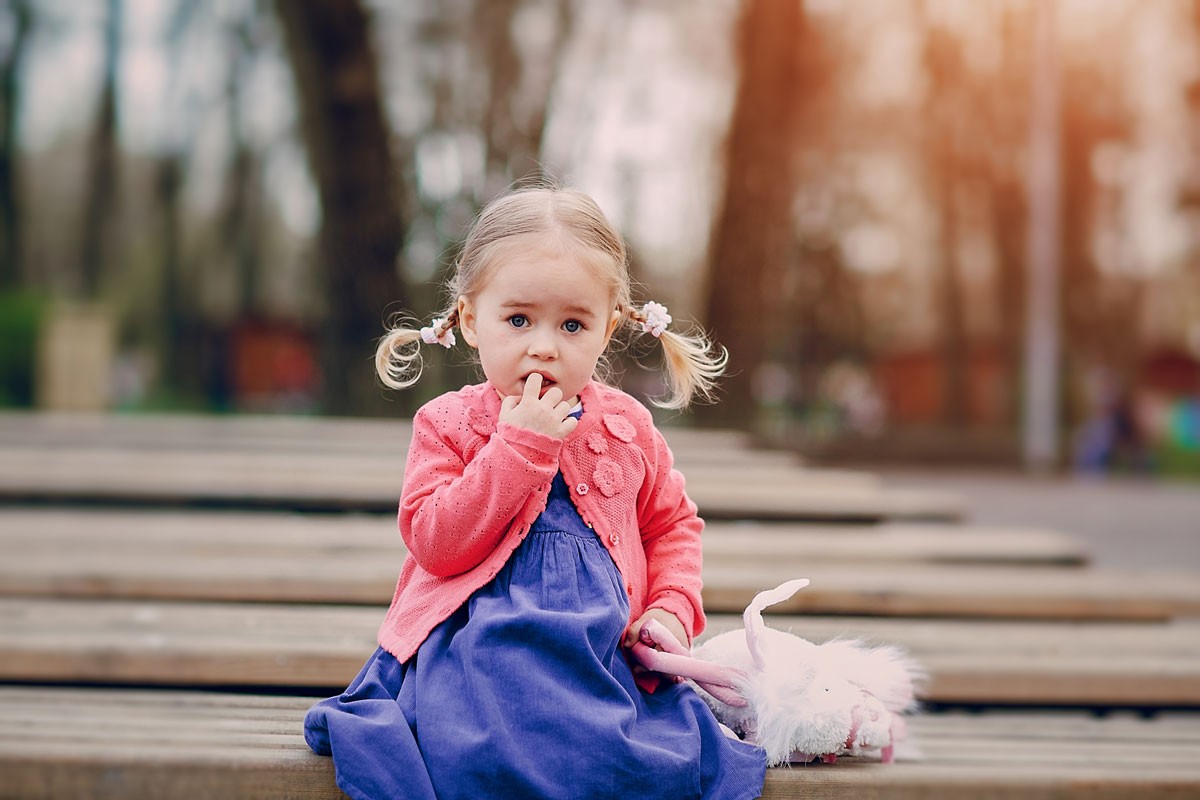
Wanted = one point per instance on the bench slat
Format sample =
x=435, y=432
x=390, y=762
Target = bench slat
x=198, y=745
x=28, y=530
x=920, y=590
x=372, y=482
x=1101, y=664
x=894, y=590
x=279, y=432
x=355, y=559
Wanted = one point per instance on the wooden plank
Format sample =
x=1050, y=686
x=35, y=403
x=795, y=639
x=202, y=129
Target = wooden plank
x=729, y=542
x=961, y=591
x=27, y=530
x=216, y=566
x=291, y=434
x=1032, y=663
x=940, y=591
x=102, y=743
x=50, y=430
x=215, y=644
x=94, y=469
x=341, y=481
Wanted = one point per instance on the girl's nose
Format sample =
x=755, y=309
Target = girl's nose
x=542, y=344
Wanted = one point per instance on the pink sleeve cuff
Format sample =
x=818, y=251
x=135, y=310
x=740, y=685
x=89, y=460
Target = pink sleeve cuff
x=538, y=448
x=675, y=603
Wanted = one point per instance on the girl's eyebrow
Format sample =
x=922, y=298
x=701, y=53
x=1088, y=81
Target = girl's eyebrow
x=521, y=305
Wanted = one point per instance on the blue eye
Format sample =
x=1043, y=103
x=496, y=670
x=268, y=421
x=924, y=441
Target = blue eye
x=518, y=320
x=572, y=326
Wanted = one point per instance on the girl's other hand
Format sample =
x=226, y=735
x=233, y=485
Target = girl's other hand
x=668, y=620
x=548, y=414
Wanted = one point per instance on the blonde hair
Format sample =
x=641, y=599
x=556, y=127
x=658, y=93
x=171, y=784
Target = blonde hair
x=569, y=219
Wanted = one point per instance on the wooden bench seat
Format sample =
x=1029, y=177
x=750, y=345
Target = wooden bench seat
x=365, y=441
x=900, y=590
x=57, y=743
x=310, y=463
x=360, y=438
x=289, y=433
x=372, y=482
x=215, y=644
x=292, y=558
x=118, y=600
x=28, y=530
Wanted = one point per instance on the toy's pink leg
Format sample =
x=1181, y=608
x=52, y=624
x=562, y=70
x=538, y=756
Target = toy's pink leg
x=856, y=717
x=896, y=730
x=717, y=680
x=655, y=634
x=675, y=659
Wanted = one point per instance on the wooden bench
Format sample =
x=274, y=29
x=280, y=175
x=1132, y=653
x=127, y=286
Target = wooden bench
x=97, y=604
x=358, y=465
x=57, y=743
x=1098, y=665
x=321, y=558
x=344, y=482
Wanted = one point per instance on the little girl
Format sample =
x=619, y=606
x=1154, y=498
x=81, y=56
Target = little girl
x=545, y=524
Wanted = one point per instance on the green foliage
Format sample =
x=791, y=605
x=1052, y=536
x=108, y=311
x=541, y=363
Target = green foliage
x=1177, y=461
x=21, y=316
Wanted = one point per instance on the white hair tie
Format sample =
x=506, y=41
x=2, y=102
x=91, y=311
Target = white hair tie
x=654, y=318
x=439, y=333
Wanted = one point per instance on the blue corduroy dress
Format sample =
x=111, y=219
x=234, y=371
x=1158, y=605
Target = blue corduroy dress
x=526, y=692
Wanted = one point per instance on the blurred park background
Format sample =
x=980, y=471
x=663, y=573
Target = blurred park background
x=952, y=247
x=951, y=231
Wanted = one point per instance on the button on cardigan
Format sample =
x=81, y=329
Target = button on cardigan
x=472, y=488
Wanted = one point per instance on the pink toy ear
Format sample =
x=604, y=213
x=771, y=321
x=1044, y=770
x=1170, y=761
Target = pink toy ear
x=720, y=681
x=752, y=617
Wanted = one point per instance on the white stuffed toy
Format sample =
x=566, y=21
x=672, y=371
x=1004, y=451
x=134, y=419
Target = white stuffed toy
x=797, y=700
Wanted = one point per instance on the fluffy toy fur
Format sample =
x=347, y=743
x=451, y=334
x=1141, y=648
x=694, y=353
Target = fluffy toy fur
x=797, y=700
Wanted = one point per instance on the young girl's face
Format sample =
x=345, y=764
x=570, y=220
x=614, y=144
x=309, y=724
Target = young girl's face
x=540, y=310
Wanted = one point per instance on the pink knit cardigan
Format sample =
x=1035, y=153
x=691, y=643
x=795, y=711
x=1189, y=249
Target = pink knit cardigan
x=472, y=489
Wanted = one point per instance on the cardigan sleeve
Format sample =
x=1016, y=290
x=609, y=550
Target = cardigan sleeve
x=670, y=529
x=455, y=508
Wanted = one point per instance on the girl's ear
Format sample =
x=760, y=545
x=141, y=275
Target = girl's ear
x=613, y=322
x=466, y=320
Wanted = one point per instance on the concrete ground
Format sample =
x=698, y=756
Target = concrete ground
x=1125, y=522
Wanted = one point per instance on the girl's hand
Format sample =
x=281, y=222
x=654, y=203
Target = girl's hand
x=668, y=620
x=548, y=414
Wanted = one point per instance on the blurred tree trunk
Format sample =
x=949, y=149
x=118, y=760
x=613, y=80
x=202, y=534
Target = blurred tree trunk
x=177, y=363
x=1008, y=115
x=241, y=220
x=1190, y=198
x=1009, y=225
x=346, y=137
x=506, y=147
x=177, y=329
x=753, y=239
x=513, y=120
x=20, y=21
x=1099, y=311
x=99, y=212
x=946, y=116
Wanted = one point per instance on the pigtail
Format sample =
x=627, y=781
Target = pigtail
x=398, y=360
x=693, y=362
